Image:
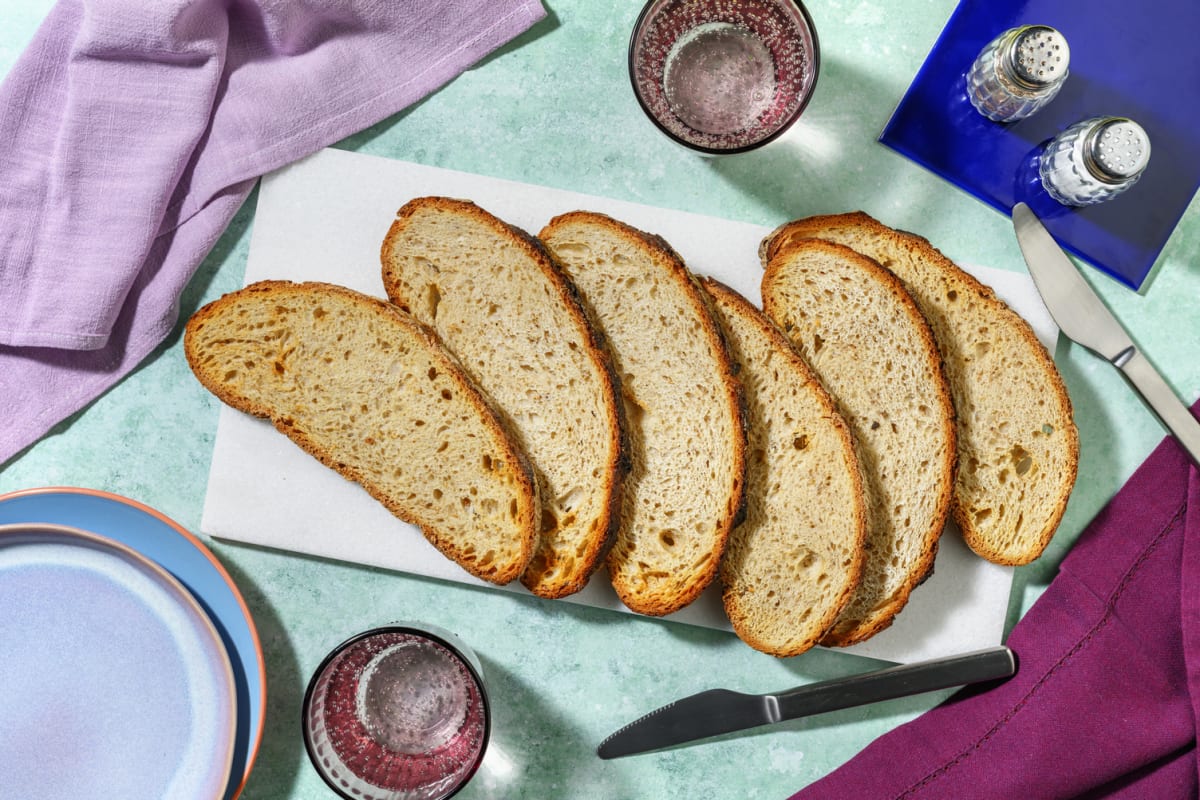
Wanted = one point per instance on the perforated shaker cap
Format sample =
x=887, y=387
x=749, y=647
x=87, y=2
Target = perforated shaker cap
x=1117, y=149
x=1040, y=55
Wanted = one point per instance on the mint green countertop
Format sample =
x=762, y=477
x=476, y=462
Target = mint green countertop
x=555, y=108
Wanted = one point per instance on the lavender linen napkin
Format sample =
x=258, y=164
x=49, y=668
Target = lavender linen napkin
x=132, y=132
x=1104, y=701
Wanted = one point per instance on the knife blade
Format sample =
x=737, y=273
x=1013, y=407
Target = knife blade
x=719, y=711
x=1083, y=317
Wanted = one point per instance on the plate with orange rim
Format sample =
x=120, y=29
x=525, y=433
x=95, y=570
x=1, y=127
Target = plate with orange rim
x=114, y=678
x=168, y=544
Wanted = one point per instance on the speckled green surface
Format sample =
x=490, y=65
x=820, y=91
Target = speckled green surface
x=555, y=108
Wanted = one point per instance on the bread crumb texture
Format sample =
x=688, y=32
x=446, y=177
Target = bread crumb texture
x=499, y=301
x=682, y=407
x=863, y=336
x=371, y=394
x=794, y=562
x=1018, y=447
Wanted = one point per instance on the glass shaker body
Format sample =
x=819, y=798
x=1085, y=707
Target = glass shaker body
x=1094, y=160
x=1018, y=72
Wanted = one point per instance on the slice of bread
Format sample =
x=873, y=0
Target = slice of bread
x=795, y=561
x=501, y=304
x=867, y=342
x=372, y=394
x=683, y=406
x=1018, y=448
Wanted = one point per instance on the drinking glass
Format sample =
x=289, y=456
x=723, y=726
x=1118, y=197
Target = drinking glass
x=723, y=76
x=397, y=713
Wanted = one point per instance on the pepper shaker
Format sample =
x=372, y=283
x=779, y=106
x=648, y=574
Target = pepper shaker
x=1018, y=72
x=1094, y=160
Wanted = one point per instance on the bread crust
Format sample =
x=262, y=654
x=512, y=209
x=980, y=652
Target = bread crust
x=513, y=459
x=785, y=631
x=642, y=590
x=990, y=526
x=869, y=613
x=547, y=575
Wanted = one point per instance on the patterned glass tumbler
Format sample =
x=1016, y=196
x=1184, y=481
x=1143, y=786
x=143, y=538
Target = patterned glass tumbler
x=397, y=713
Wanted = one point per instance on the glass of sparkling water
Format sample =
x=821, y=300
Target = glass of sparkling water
x=723, y=76
x=397, y=713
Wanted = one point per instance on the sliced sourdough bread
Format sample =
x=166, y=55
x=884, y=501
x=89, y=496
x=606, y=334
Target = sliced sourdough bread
x=501, y=304
x=683, y=406
x=372, y=394
x=868, y=344
x=1018, y=448
x=793, y=564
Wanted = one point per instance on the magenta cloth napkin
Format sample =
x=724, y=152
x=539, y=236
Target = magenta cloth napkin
x=131, y=134
x=1104, y=701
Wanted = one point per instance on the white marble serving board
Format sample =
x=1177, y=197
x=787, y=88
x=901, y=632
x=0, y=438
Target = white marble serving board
x=324, y=219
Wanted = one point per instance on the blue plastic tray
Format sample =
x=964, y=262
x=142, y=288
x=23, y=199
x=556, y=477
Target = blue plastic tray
x=1137, y=60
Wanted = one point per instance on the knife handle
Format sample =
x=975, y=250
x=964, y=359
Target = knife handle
x=1163, y=401
x=899, y=681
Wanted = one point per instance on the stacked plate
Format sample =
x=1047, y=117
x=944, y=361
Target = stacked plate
x=132, y=665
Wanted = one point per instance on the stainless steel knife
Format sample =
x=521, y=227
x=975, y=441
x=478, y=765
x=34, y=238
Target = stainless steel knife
x=1083, y=317
x=719, y=711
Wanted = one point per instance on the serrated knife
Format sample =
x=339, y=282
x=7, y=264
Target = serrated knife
x=1084, y=318
x=720, y=711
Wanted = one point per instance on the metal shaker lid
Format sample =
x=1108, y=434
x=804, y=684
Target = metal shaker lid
x=1117, y=149
x=1039, y=55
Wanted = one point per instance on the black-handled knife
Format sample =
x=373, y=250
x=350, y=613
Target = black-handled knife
x=720, y=711
x=1084, y=318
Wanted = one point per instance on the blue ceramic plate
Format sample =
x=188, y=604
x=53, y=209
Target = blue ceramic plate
x=1136, y=60
x=171, y=546
x=114, y=677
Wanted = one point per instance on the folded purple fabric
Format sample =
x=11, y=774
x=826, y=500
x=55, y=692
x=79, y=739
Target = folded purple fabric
x=1104, y=701
x=133, y=132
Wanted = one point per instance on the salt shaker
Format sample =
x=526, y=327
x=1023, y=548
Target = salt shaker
x=1094, y=160
x=1018, y=72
